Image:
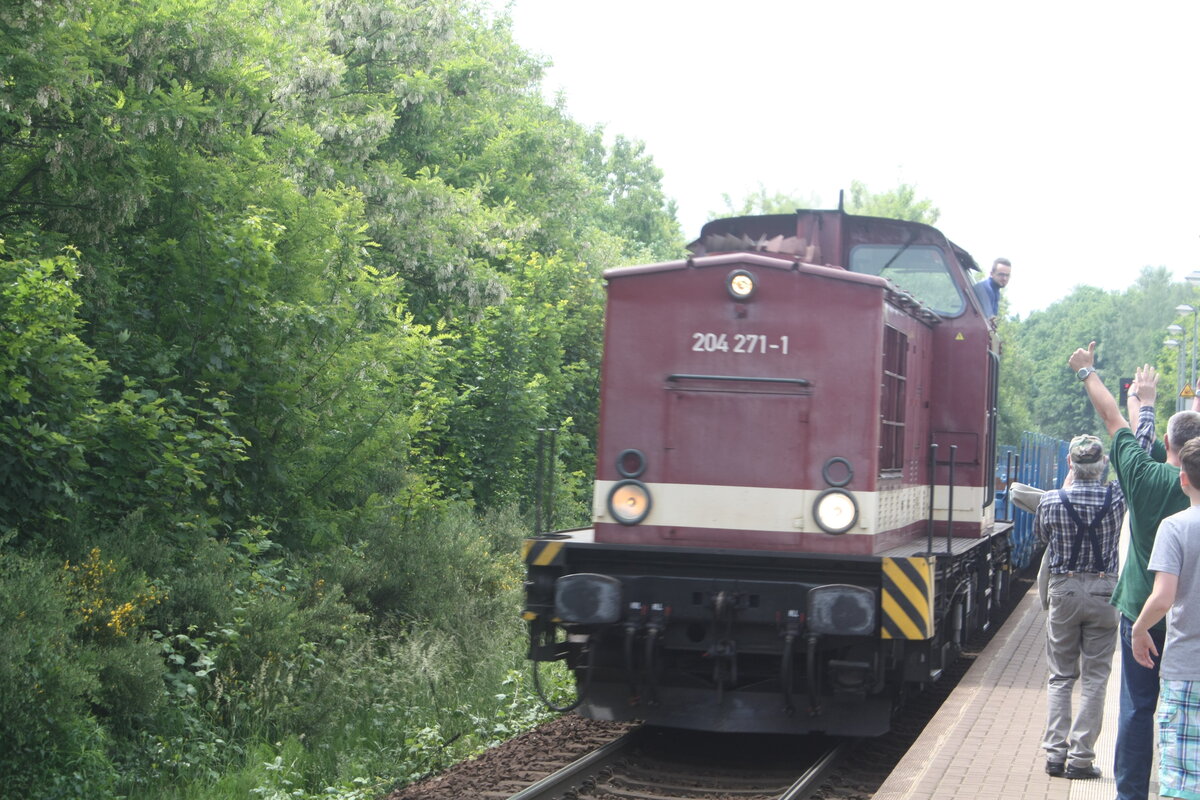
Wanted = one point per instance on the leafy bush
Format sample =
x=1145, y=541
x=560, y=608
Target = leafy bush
x=443, y=568
x=52, y=746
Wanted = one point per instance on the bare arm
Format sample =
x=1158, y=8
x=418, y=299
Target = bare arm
x=1156, y=607
x=1133, y=401
x=1102, y=399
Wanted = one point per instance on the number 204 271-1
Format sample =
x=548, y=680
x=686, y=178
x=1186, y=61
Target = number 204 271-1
x=737, y=343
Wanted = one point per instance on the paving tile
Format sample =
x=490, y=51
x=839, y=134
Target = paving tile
x=985, y=741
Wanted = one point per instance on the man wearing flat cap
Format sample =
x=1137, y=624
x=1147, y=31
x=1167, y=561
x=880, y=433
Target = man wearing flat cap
x=1081, y=527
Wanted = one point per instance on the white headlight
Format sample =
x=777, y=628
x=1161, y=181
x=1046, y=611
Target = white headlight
x=835, y=511
x=629, y=502
x=740, y=284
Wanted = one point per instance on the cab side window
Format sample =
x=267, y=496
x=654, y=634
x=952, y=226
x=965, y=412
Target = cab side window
x=920, y=270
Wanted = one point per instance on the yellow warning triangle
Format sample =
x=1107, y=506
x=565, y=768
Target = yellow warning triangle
x=960, y=337
x=1187, y=392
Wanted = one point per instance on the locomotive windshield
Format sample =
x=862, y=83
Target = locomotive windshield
x=920, y=270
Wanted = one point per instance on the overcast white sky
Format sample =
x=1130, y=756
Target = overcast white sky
x=1062, y=135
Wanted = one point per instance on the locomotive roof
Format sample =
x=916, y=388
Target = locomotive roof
x=856, y=243
x=798, y=233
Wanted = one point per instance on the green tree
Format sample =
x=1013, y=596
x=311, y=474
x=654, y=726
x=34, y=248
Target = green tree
x=328, y=265
x=898, y=203
x=1128, y=327
x=1014, y=390
x=532, y=362
x=762, y=201
x=67, y=453
x=633, y=207
x=1138, y=329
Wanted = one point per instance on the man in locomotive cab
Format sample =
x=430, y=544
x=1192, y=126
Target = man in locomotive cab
x=1152, y=493
x=988, y=289
x=1081, y=528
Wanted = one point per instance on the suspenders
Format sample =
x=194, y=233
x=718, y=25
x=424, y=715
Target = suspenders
x=1089, y=529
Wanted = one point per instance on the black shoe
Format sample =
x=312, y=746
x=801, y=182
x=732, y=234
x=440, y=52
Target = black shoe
x=1083, y=773
x=1055, y=769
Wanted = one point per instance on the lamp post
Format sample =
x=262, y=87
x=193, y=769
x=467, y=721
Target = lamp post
x=1193, y=278
x=1177, y=334
x=1177, y=345
x=1184, y=308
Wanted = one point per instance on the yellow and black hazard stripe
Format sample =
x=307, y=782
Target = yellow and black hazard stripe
x=907, y=598
x=542, y=552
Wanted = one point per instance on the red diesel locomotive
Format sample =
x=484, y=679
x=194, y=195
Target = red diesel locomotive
x=793, y=508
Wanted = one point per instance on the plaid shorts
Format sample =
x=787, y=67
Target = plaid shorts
x=1178, y=719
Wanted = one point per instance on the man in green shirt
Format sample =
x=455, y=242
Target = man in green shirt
x=1151, y=493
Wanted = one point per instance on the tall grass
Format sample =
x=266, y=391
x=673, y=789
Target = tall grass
x=255, y=675
x=377, y=716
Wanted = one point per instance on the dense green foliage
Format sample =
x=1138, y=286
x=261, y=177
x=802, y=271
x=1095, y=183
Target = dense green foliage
x=1039, y=392
x=761, y=201
x=287, y=288
x=898, y=203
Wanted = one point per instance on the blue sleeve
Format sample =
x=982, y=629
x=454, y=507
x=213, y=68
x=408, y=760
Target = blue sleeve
x=985, y=297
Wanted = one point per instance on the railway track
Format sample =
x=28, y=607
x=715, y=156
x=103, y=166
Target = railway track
x=514, y=767
x=509, y=770
x=672, y=765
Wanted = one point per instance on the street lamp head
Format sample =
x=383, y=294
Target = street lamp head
x=1184, y=308
x=1175, y=330
x=1193, y=277
x=1171, y=342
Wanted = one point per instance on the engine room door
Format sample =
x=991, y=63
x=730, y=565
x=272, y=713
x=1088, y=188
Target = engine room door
x=727, y=436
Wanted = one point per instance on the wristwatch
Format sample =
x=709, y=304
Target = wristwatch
x=1084, y=372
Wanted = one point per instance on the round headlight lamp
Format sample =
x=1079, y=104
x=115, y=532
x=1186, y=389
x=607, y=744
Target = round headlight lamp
x=835, y=511
x=629, y=502
x=837, y=471
x=740, y=284
x=631, y=463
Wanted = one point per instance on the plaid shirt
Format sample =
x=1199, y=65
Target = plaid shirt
x=1053, y=525
x=1145, y=428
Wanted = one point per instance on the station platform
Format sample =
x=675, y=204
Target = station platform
x=985, y=741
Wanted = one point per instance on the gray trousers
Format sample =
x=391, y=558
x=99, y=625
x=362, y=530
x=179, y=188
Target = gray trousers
x=1081, y=634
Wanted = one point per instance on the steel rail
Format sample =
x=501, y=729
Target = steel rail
x=574, y=774
x=812, y=777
